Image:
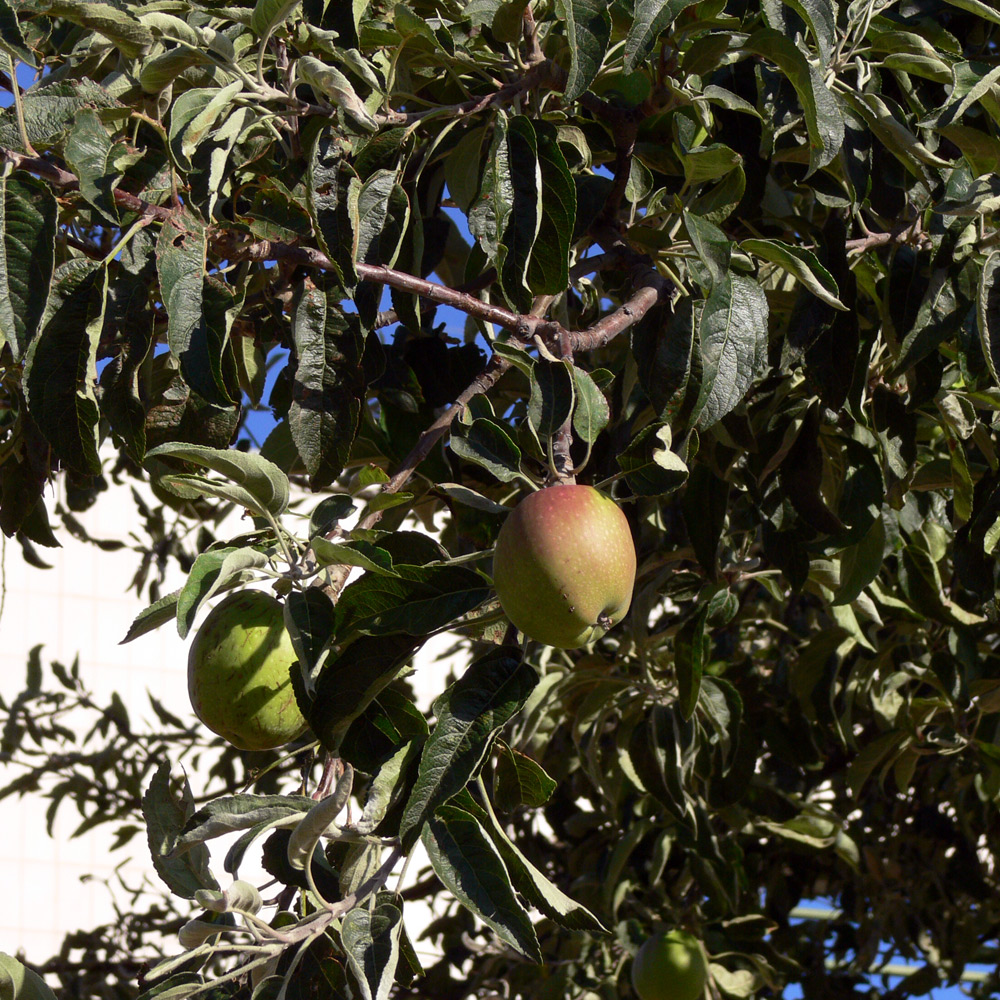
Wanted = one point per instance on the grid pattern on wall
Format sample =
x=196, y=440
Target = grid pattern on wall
x=80, y=608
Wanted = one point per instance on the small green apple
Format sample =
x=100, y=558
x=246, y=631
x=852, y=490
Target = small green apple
x=564, y=565
x=671, y=965
x=239, y=673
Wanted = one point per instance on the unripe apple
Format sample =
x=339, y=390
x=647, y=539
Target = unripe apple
x=564, y=565
x=671, y=965
x=239, y=673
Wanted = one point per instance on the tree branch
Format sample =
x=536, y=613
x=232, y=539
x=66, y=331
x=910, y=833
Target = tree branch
x=484, y=381
x=907, y=233
x=67, y=181
x=542, y=73
x=523, y=326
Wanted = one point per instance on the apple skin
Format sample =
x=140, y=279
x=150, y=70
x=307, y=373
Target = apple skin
x=564, y=565
x=671, y=965
x=239, y=673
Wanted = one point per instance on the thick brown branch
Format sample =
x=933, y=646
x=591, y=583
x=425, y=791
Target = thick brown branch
x=524, y=327
x=651, y=289
x=41, y=167
x=67, y=181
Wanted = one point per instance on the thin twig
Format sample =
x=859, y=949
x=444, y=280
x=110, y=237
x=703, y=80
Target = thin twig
x=910, y=232
x=483, y=382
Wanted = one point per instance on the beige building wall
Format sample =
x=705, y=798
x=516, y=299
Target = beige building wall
x=80, y=607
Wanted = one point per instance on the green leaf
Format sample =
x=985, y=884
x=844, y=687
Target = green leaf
x=371, y=941
x=332, y=189
x=262, y=480
x=691, y=651
x=469, y=714
x=704, y=505
x=524, y=221
x=892, y=132
x=193, y=116
x=824, y=119
x=197, y=328
x=189, y=487
x=820, y=16
x=656, y=751
x=160, y=71
x=977, y=7
x=329, y=385
x=651, y=468
x=490, y=213
x=20, y=983
x=211, y=571
x=329, y=511
x=383, y=215
x=462, y=167
x=651, y=18
x=268, y=14
x=548, y=268
x=713, y=247
x=869, y=758
x=802, y=264
x=240, y=812
x=165, y=814
x=60, y=369
x=310, y=621
x=50, y=111
x=431, y=599
x=114, y=22
x=861, y=563
x=732, y=330
x=591, y=413
x=488, y=444
x=708, y=163
x=319, y=821
x=552, y=396
x=469, y=865
x=351, y=680
x=361, y=553
x=11, y=37
x=988, y=313
x=328, y=80
x=386, y=789
x=519, y=780
x=662, y=345
x=28, y=214
x=470, y=498
x=533, y=885
x=158, y=613
x=588, y=30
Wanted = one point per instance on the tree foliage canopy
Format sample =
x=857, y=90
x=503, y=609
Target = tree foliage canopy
x=734, y=261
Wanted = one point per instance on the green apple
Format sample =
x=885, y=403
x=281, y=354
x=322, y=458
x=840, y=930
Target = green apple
x=564, y=565
x=239, y=673
x=671, y=965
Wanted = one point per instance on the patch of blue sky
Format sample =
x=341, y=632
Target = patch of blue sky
x=815, y=908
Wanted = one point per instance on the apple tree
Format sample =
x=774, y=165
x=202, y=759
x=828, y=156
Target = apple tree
x=735, y=264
